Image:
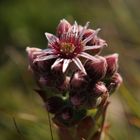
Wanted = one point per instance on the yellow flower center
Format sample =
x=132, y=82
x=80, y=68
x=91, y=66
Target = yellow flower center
x=67, y=48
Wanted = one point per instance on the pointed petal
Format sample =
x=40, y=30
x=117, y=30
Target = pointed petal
x=79, y=64
x=91, y=36
x=88, y=56
x=51, y=38
x=56, y=62
x=75, y=27
x=43, y=52
x=29, y=49
x=64, y=21
x=92, y=47
x=45, y=58
x=83, y=30
x=65, y=64
x=37, y=53
x=48, y=50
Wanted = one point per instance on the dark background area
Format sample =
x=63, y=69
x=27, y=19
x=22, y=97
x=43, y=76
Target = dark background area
x=23, y=23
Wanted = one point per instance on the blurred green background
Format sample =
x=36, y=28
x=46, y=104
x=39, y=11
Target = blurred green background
x=23, y=23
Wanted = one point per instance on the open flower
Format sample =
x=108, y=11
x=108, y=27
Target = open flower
x=70, y=43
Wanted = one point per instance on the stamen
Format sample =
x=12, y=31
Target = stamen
x=67, y=48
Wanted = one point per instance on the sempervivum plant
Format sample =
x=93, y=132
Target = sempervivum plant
x=73, y=80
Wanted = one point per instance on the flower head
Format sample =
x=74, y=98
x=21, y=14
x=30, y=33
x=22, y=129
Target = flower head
x=69, y=95
x=70, y=43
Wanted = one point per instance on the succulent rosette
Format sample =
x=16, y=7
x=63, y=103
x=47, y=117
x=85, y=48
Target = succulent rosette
x=80, y=84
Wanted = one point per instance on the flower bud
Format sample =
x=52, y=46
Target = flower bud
x=44, y=81
x=57, y=75
x=63, y=27
x=38, y=67
x=112, y=64
x=57, y=69
x=79, y=81
x=87, y=33
x=54, y=104
x=96, y=70
x=65, y=85
x=44, y=67
x=114, y=82
x=78, y=98
x=98, y=89
x=65, y=114
x=32, y=53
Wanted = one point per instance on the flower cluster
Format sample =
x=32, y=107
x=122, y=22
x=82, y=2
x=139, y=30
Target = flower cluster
x=71, y=75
